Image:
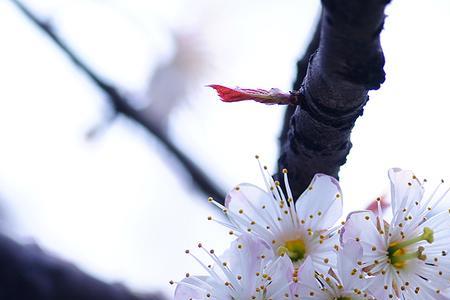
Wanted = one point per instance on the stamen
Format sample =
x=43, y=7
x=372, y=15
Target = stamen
x=400, y=260
x=263, y=215
x=397, y=254
x=290, y=199
x=426, y=236
x=262, y=172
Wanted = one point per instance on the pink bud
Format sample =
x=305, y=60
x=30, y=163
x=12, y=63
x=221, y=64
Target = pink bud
x=373, y=206
x=272, y=96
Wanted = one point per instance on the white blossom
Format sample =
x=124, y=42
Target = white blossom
x=406, y=259
x=248, y=270
x=343, y=283
x=300, y=230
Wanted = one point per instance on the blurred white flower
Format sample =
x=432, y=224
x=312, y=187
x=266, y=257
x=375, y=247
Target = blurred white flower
x=408, y=258
x=301, y=230
x=174, y=80
x=246, y=271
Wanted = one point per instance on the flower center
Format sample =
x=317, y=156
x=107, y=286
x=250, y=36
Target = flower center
x=295, y=249
x=344, y=298
x=398, y=255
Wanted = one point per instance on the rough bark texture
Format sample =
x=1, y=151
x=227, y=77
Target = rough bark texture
x=27, y=273
x=348, y=63
x=302, y=67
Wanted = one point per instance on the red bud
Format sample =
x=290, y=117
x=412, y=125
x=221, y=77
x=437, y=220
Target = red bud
x=272, y=96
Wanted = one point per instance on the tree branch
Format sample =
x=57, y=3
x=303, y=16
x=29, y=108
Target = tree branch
x=302, y=67
x=27, y=273
x=348, y=63
x=122, y=105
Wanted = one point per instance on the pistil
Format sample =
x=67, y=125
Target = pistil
x=295, y=249
x=398, y=255
x=400, y=260
x=426, y=236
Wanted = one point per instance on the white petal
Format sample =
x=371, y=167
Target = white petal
x=309, y=286
x=194, y=288
x=426, y=291
x=378, y=284
x=347, y=258
x=323, y=253
x=405, y=189
x=281, y=271
x=321, y=203
x=244, y=258
x=252, y=208
x=362, y=226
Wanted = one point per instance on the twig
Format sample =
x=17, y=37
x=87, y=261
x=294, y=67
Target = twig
x=27, y=273
x=122, y=105
x=348, y=63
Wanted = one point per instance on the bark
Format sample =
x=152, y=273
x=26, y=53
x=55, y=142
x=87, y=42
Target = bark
x=302, y=67
x=348, y=63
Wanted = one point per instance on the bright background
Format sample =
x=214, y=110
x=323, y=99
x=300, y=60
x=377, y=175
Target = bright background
x=117, y=205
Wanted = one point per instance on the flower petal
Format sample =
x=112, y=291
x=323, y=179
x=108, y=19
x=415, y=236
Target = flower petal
x=309, y=287
x=381, y=286
x=361, y=226
x=347, y=258
x=195, y=287
x=405, y=189
x=281, y=272
x=252, y=209
x=320, y=206
x=245, y=258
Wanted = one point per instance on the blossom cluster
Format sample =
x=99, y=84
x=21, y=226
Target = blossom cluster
x=286, y=249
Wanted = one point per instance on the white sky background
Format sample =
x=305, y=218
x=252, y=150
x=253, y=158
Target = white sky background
x=116, y=205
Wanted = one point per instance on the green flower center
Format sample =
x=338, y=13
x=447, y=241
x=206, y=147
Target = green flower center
x=398, y=255
x=295, y=249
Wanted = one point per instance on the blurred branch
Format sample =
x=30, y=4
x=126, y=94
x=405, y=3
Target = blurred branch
x=122, y=105
x=27, y=273
x=348, y=63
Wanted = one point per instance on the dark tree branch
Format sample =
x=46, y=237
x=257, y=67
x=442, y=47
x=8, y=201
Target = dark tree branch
x=302, y=66
x=122, y=105
x=348, y=63
x=27, y=273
